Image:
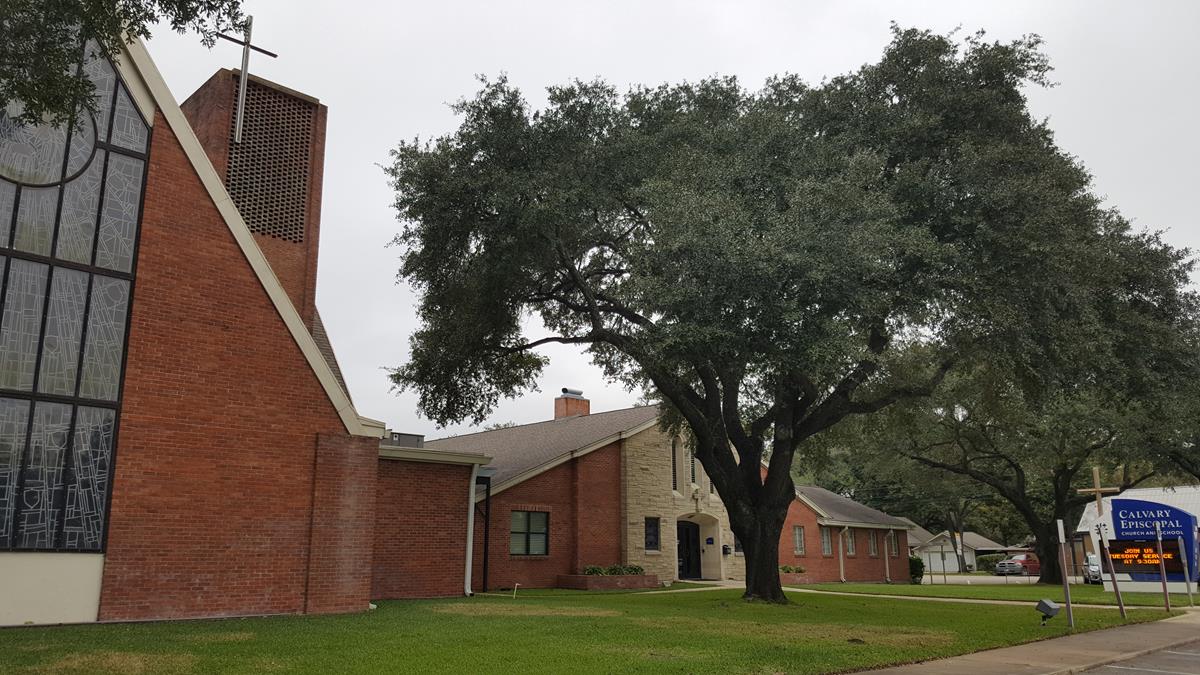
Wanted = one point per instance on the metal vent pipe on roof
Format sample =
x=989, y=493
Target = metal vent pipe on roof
x=572, y=392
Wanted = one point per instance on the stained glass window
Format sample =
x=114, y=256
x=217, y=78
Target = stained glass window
x=70, y=204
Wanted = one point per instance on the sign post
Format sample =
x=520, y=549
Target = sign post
x=1162, y=566
x=1112, y=572
x=1062, y=550
x=942, y=552
x=1187, y=573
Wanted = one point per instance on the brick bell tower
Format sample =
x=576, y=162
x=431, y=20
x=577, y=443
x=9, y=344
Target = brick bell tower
x=274, y=175
x=274, y=178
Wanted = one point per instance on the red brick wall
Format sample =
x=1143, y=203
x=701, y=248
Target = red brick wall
x=583, y=497
x=213, y=494
x=820, y=568
x=209, y=110
x=420, y=530
x=343, y=524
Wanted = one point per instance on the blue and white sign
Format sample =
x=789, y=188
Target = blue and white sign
x=1134, y=520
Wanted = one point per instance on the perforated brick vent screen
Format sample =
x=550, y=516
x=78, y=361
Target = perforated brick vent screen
x=268, y=170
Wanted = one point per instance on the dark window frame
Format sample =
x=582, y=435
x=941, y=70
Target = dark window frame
x=529, y=531
x=675, y=464
x=652, y=543
x=93, y=269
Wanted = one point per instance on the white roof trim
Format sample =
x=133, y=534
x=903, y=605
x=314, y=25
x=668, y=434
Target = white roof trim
x=566, y=457
x=139, y=68
x=862, y=526
x=432, y=456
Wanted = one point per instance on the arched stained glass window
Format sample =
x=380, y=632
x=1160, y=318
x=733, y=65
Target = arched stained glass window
x=70, y=207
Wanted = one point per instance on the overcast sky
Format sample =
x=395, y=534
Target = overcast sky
x=1126, y=106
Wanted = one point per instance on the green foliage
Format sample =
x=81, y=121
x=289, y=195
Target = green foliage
x=41, y=45
x=916, y=568
x=771, y=263
x=987, y=563
x=792, y=569
x=613, y=570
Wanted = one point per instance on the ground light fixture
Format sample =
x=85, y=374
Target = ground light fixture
x=1048, y=609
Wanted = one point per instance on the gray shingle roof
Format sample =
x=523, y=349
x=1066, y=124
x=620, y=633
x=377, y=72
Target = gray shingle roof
x=917, y=535
x=516, y=450
x=972, y=540
x=846, y=510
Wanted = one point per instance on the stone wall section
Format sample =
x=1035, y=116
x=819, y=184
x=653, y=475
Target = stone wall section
x=646, y=492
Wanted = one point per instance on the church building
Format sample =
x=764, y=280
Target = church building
x=597, y=489
x=176, y=439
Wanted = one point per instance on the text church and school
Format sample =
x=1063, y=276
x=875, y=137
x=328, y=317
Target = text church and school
x=176, y=438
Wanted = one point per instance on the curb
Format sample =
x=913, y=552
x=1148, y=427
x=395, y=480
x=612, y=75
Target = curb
x=1074, y=670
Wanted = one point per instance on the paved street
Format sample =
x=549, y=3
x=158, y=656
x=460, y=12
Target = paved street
x=1182, y=660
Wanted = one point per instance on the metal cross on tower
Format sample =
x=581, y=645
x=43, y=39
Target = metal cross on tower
x=1098, y=491
x=245, y=76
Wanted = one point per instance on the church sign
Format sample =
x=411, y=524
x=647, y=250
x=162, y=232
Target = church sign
x=1135, y=549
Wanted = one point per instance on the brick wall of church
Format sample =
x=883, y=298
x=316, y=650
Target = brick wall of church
x=220, y=432
x=821, y=568
x=420, y=530
x=583, y=499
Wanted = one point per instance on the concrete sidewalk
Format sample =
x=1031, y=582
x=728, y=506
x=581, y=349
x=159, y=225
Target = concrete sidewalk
x=1070, y=654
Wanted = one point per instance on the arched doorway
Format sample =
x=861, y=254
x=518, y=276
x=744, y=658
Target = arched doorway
x=688, y=549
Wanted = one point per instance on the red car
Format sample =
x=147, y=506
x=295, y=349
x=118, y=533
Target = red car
x=1025, y=564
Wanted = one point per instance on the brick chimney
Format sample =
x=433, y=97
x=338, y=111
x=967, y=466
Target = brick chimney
x=274, y=175
x=571, y=404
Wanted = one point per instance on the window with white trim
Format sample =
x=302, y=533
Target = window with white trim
x=826, y=541
x=872, y=543
x=893, y=543
x=850, y=542
x=798, y=539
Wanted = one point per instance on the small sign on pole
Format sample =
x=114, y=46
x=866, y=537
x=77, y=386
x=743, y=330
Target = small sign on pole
x=1112, y=573
x=1187, y=574
x=1162, y=566
x=1062, y=549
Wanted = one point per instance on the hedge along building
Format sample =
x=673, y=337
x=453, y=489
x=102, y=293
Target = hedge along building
x=594, y=489
x=175, y=438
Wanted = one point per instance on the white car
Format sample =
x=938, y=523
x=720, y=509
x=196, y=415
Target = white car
x=1091, y=569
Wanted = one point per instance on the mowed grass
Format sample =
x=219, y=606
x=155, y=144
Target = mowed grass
x=1081, y=593
x=687, y=632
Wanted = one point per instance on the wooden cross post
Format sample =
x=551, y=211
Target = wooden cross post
x=1098, y=491
x=245, y=76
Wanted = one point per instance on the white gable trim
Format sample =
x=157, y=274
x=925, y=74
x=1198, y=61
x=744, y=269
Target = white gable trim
x=140, y=73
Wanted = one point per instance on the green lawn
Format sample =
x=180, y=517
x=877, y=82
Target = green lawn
x=1081, y=593
x=688, y=632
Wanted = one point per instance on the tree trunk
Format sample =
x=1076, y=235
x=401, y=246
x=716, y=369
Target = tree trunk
x=760, y=546
x=1046, y=546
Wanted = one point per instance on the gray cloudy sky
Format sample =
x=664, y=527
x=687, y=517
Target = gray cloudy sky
x=387, y=70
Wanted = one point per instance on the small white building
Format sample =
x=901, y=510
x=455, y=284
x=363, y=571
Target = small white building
x=940, y=547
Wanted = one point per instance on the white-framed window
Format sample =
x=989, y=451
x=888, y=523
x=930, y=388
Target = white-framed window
x=798, y=539
x=850, y=542
x=873, y=543
x=893, y=543
x=826, y=541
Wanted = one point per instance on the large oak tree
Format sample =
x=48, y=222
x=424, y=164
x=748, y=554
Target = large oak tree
x=767, y=263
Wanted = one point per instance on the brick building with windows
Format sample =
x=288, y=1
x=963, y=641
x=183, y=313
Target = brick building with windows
x=606, y=488
x=176, y=439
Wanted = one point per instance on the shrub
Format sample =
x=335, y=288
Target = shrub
x=613, y=570
x=634, y=569
x=916, y=569
x=595, y=570
x=786, y=569
x=800, y=569
x=987, y=563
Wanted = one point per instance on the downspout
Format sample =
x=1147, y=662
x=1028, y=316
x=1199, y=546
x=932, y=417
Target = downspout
x=887, y=553
x=841, y=554
x=470, y=532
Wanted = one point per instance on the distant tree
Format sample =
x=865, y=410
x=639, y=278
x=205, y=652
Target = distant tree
x=767, y=263
x=41, y=45
x=1033, y=453
x=500, y=425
